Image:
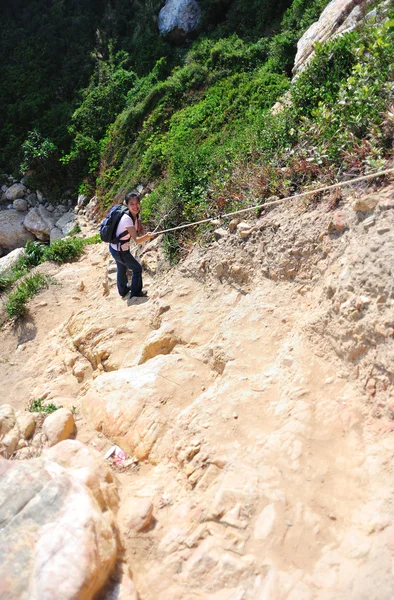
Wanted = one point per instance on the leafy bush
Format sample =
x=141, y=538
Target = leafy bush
x=36, y=253
x=64, y=250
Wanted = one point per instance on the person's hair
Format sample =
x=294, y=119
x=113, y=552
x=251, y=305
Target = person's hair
x=132, y=195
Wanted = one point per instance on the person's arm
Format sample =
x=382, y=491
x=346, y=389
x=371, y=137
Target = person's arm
x=139, y=239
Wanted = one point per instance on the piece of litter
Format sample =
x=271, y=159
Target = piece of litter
x=119, y=457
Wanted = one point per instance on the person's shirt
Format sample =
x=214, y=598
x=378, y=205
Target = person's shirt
x=126, y=221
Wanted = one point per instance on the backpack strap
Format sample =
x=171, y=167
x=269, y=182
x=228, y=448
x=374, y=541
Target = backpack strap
x=119, y=237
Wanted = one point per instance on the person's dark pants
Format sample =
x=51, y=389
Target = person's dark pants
x=124, y=260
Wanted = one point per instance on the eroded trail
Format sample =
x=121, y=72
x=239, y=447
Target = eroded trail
x=267, y=480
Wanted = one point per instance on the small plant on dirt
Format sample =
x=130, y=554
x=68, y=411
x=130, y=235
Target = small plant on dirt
x=39, y=406
x=16, y=302
x=75, y=230
x=94, y=239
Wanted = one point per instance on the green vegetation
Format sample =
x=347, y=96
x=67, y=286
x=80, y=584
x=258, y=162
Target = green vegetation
x=29, y=286
x=211, y=143
x=39, y=406
x=193, y=123
x=35, y=253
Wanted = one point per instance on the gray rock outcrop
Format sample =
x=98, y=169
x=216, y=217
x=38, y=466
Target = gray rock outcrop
x=17, y=190
x=338, y=16
x=12, y=232
x=37, y=225
x=178, y=19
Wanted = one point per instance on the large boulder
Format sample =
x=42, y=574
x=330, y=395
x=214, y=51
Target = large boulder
x=8, y=261
x=58, y=532
x=17, y=190
x=59, y=426
x=40, y=221
x=36, y=225
x=12, y=232
x=338, y=16
x=136, y=407
x=178, y=19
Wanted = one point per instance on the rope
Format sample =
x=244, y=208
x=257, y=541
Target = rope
x=280, y=201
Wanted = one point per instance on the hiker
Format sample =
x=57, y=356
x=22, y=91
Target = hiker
x=129, y=226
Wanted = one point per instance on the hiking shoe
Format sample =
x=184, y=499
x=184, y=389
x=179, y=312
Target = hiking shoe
x=141, y=294
x=126, y=292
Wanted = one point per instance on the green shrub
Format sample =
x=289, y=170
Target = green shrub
x=64, y=250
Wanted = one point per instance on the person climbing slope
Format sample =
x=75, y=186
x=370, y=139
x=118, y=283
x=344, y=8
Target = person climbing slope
x=129, y=227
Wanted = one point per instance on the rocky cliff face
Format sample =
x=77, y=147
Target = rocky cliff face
x=338, y=17
x=250, y=397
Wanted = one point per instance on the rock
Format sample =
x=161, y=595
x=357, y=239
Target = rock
x=9, y=442
x=9, y=430
x=371, y=386
x=55, y=535
x=11, y=259
x=136, y=513
x=12, y=232
x=366, y=204
x=220, y=233
x=35, y=223
x=20, y=204
x=386, y=204
x=27, y=424
x=89, y=466
x=232, y=226
x=58, y=426
x=265, y=523
x=32, y=199
x=55, y=234
x=40, y=196
x=178, y=19
x=160, y=341
x=7, y=419
x=66, y=222
x=17, y=190
x=244, y=229
x=338, y=223
x=383, y=230
x=337, y=17
x=46, y=216
x=82, y=200
x=369, y=222
x=21, y=444
x=92, y=208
